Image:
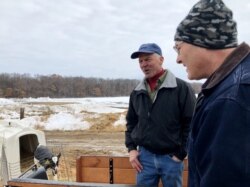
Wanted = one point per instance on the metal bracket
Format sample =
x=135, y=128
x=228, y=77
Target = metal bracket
x=111, y=171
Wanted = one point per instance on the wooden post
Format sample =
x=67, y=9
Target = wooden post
x=21, y=113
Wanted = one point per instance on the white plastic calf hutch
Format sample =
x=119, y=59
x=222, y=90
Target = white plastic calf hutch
x=17, y=146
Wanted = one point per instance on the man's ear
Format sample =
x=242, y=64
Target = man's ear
x=162, y=59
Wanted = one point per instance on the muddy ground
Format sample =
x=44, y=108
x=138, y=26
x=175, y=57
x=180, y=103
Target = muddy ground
x=72, y=144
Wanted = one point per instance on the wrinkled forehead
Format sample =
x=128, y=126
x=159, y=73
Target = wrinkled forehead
x=148, y=55
x=144, y=55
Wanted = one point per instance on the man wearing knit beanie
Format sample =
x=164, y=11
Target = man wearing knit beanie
x=219, y=142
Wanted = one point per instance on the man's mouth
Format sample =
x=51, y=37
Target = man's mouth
x=146, y=71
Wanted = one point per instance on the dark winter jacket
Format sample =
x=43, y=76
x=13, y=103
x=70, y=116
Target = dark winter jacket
x=219, y=146
x=161, y=126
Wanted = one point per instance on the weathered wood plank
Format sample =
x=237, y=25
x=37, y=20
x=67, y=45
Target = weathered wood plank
x=94, y=171
x=48, y=183
x=123, y=173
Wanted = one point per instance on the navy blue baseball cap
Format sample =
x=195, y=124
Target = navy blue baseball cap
x=147, y=48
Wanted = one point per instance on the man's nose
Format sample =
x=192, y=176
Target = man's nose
x=178, y=60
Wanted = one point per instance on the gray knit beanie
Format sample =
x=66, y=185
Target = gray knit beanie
x=209, y=24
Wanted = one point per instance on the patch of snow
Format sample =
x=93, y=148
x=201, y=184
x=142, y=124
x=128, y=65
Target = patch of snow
x=62, y=114
x=121, y=121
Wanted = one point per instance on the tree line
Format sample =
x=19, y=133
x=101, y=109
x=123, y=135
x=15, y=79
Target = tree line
x=56, y=86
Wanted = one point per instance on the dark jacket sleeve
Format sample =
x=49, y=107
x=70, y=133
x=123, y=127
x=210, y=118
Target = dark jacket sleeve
x=187, y=101
x=222, y=151
x=132, y=120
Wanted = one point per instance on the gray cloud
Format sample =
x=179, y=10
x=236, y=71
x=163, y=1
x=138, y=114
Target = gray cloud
x=93, y=38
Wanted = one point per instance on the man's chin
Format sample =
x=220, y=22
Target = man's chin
x=148, y=75
x=193, y=77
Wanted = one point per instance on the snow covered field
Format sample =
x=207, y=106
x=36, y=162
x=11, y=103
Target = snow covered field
x=65, y=114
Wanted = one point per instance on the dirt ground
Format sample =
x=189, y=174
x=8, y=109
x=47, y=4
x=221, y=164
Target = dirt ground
x=72, y=144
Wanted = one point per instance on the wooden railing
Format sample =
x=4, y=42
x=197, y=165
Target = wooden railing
x=94, y=171
x=48, y=183
x=113, y=170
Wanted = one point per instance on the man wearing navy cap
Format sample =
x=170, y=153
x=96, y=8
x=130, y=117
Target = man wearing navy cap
x=158, y=118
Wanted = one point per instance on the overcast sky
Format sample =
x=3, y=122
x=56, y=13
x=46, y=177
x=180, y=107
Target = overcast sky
x=94, y=38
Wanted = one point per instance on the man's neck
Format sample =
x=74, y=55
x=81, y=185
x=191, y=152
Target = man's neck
x=218, y=57
x=153, y=80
